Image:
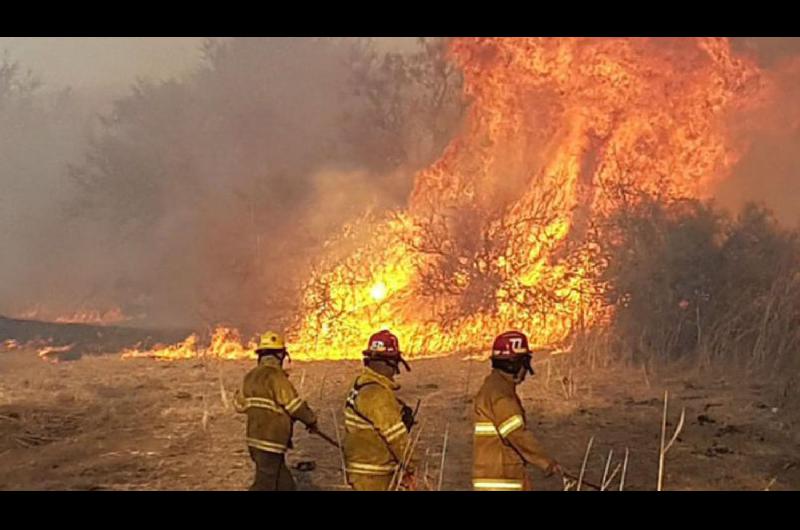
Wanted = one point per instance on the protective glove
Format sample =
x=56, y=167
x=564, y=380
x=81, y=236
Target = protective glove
x=552, y=469
x=239, y=404
x=409, y=481
x=408, y=417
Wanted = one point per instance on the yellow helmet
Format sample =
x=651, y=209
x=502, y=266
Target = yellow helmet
x=271, y=340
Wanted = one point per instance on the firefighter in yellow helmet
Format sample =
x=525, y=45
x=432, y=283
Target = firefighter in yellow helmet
x=377, y=423
x=272, y=406
x=502, y=446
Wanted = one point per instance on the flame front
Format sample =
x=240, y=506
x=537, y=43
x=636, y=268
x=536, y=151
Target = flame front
x=226, y=343
x=501, y=231
x=496, y=233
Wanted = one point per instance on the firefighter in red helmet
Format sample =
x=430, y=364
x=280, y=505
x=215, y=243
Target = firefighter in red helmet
x=502, y=445
x=377, y=423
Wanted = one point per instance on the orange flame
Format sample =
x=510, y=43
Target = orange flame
x=500, y=232
x=226, y=343
x=496, y=233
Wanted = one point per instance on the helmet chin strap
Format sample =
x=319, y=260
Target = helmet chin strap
x=523, y=369
x=408, y=368
x=395, y=364
x=526, y=362
x=280, y=355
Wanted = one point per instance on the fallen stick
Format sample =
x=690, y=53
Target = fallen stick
x=39, y=437
x=549, y=369
x=606, y=483
x=575, y=479
x=583, y=466
x=608, y=463
x=624, y=471
x=22, y=442
x=223, y=394
x=444, y=455
x=322, y=384
x=394, y=484
x=204, y=420
x=665, y=448
x=468, y=377
x=302, y=382
x=397, y=478
x=341, y=449
x=427, y=466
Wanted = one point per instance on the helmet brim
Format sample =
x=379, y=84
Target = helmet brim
x=267, y=351
x=379, y=356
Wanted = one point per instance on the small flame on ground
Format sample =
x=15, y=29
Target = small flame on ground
x=82, y=316
x=226, y=343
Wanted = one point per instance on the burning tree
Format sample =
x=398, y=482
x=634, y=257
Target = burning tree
x=500, y=231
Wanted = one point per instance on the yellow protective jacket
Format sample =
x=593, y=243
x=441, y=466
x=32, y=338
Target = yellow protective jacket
x=375, y=436
x=272, y=405
x=501, y=443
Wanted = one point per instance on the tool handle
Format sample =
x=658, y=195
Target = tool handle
x=326, y=438
x=583, y=482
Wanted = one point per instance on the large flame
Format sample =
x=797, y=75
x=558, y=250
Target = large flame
x=500, y=232
x=496, y=234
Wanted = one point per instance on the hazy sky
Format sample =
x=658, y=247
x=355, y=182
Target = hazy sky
x=103, y=62
x=114, y=62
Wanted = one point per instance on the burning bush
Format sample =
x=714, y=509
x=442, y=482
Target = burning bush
x=501, y=231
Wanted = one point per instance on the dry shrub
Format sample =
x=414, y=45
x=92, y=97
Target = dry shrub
x=690, y=282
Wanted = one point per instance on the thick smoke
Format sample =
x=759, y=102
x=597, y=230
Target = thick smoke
x=41, y=130
x=769, y=171
x=205, y=198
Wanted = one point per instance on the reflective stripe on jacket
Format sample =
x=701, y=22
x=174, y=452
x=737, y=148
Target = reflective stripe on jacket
x=375, y=435
x=272, y=405
x=501, y=443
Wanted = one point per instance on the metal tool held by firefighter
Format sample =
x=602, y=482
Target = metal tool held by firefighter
x=410, y=416
x=583, y=482
x=324, y=437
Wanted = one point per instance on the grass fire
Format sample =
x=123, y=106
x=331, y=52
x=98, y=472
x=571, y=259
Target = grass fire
x=586, y=250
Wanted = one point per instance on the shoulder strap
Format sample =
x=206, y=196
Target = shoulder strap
x=351, y=401
x=351, y=397
x=351, y=404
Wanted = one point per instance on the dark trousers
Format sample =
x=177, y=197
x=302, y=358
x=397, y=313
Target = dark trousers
x=271, y=472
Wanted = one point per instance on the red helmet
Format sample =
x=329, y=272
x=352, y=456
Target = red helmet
x=384, y=345
x=512, y=346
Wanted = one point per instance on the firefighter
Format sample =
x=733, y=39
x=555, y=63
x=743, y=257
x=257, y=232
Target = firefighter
x=272, y=406
x=377, y=423
x=502, y=444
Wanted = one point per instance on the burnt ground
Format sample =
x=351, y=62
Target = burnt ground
x=77, y=340
x=106, y=423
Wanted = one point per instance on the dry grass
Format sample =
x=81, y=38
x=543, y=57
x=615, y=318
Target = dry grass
x=102, y=423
